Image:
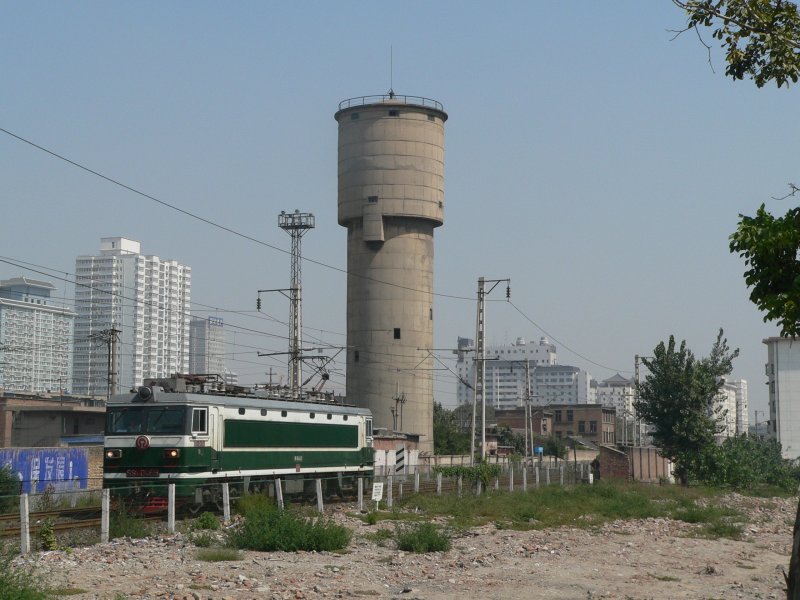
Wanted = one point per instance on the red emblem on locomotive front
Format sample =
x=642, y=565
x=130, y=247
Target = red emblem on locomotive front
x=142, y=442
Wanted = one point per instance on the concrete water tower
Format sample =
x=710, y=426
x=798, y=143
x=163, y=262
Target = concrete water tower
x=391, y=197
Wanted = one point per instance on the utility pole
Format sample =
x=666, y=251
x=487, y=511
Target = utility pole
x=109, y=337
x=296, y=224
x=635, y=399
x=480, y=359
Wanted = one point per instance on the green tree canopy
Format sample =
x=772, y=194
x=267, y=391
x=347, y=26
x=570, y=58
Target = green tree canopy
x=678, y=398
x=449, y=437
x=761, y=38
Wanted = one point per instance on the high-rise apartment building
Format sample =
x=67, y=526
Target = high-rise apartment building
x=146, y=299
x=617, y=392
x=508, y=369
x=783, y=372
x=35, y=337
x=737, y=420
x=207, y=346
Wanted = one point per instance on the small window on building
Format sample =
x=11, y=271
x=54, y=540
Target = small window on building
x=397, y=333
x=354, y=116
x=283, y=413
x=431, y=118
x=430, y=316
x=241, y=411
x=592, y=426
x=558, y=416
x=372, y=199
x=581, y=426
x=394, y=113
x=355, y=355
x=570, y=416
x=312, y=415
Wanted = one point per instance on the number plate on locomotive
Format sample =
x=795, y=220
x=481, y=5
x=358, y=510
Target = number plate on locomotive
x=142, y=472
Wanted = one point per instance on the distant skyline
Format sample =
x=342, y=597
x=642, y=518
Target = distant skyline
x=598, y=164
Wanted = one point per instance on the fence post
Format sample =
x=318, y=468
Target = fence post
x=389, y=499
x=547, y=476
x=536, y=471
x=171, y=508
x=25, y=524
x=497, y=483
x=460, y=485
x=479, y=486
x=416, y=482
x=320, y=506
x=73, y=497
x=279, y=492
x=105, y=504
x=525, y=478
x=561, y=475
x=438, y=484
x=511, y=480
x=400, y=490
x=226, y=502
x=361, y=494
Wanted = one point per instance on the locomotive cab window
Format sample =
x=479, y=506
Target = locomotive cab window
x=200, y=421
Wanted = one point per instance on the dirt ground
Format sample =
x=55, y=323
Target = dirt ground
x=652, y=558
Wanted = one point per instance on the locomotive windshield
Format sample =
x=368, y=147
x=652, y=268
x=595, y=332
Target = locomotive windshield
x=151, y=419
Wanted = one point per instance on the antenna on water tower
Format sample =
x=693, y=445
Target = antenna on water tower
x=391, y=71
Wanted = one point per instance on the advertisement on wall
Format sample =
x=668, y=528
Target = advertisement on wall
x=39, y=468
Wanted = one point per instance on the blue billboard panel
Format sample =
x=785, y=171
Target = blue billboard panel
x=37, y=468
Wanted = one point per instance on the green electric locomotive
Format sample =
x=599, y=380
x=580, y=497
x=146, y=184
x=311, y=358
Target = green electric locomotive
x=177, y=431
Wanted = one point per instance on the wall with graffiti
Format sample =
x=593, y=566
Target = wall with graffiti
x=38, y=468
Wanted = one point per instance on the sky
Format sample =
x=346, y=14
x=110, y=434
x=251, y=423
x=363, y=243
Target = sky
x=591, y=158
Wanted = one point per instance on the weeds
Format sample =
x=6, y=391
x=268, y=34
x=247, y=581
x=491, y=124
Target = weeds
x=207, y=521
x=204, y=539
x=380, y=536
x=47, y=535
x=267, y=529
x=422, y=537
x=123, y=524
x=218, y=554
x=17, y=583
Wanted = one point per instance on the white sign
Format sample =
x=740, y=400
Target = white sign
x=377, y=492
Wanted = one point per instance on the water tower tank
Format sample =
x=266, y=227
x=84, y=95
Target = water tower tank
x=391, y=197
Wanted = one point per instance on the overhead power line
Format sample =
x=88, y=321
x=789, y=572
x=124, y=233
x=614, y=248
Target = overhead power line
x=209, y=221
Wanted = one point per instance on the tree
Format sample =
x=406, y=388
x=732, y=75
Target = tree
x=762, y=41
x=678, y=399
x=9, y=489
x=761, y=38
x=448, y=436
x=770, y=246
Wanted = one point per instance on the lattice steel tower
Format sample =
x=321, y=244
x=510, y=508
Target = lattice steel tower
x=296, y=224
x=391, y=197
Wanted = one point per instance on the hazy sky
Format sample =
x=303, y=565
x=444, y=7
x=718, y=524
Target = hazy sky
x=593, y=161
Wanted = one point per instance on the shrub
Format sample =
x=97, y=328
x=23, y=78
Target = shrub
x=207, y=520
x=47, y=534
x=9, y=490
x=267, y=529
x=123, y=524
x=422, y=537
x=17, y=583
x=203, y=540
x=482, y=472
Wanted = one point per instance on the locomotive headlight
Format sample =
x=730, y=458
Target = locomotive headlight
x=172, y=453
x=113, y=453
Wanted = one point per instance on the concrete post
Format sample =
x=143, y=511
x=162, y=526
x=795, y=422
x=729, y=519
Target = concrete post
x=389, y=499
x=524, y=479
x=226, y=502
x=479, y=486
x=105, y=504
x=416, y=482
x=561, y=475
x=25, y=524
x=320, y=506
x=171, y=508
x=361, y=494
x=511, y=480
x=279, y=493
x=536, y=471
x=438, y=484
x=460, y=485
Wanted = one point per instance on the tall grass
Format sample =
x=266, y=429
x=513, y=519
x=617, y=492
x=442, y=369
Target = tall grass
x=422, y=537
x=579, y=506
x=17, y=583
x=267, y=529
